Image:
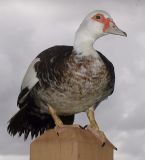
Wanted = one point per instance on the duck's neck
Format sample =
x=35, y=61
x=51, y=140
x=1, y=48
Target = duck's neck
x=83, y=44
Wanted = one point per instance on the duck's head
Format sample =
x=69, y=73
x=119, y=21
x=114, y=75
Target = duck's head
x=95, y=25
x=99, y=23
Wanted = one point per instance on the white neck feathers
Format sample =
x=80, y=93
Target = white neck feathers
x=84, y=42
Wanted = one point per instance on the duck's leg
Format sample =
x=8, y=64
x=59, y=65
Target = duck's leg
x=94, y=128
x=60, y=127
x=58, y=122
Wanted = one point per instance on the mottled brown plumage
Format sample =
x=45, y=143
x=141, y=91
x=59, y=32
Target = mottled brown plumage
x=82, y=82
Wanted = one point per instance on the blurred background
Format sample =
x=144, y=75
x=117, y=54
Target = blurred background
x=31, y=26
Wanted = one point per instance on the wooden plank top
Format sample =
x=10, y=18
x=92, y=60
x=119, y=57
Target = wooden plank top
x=71, y=144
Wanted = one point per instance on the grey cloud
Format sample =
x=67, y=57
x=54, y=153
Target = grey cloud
x=28, y=27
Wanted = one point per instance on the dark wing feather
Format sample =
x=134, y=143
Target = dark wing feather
x=110, y=68
x=29, y=119
x=52, y=63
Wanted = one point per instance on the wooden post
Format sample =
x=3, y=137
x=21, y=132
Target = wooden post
x=71, y=144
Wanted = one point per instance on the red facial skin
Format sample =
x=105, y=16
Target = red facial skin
x=105, y=21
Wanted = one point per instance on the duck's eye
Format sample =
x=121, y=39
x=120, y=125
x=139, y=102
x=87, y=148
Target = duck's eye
x=98, y=17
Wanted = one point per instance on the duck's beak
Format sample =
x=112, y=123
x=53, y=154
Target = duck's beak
x=113, y=29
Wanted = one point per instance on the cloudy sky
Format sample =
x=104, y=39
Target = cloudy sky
x=28, y=27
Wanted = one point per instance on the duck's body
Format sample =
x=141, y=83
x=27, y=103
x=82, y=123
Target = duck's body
x=76, y=82
x=65, y=80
